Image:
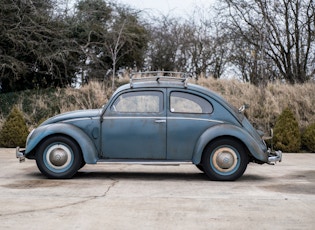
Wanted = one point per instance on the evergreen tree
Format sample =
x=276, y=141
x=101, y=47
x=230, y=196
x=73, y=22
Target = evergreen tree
x=14, y=131
x=287, y=137
x=308, y=138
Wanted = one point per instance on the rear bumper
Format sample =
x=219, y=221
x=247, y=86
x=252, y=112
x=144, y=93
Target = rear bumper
x=20, y=154
x=274, y=157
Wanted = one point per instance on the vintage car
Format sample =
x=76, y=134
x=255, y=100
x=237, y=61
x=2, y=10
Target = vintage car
x=153, y=120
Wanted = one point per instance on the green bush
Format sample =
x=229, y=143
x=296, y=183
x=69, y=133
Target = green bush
x=14, y=130
x=308, y=138
x=287, y=137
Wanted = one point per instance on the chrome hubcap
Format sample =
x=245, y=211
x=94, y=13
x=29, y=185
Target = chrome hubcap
x=224, y=159
x=58, y=156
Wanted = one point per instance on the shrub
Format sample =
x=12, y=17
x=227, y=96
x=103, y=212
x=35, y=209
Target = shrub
x=14, y=130
x=287, y=137
x=308, y=138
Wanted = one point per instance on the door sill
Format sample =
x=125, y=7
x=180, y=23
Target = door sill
x=143, y=162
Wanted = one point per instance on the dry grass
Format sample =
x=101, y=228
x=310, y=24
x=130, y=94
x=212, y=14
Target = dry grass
x=40, y=105
x=265, y=104
x=90, y=96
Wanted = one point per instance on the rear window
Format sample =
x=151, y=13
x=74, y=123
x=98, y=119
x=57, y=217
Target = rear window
x=189, y=103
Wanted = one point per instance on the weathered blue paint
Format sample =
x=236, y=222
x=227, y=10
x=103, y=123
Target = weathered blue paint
x=256, y=148
x=74, y=115
x=88, y=148
x=134, y=135
x=182, y=134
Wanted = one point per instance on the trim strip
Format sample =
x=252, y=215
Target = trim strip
x=196, y=119
x=109, y=118
x=167, y=118
x=143, y=162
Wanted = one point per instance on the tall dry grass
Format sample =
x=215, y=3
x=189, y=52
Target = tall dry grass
x=90, y=96
x=40, y=105
x=266, y=104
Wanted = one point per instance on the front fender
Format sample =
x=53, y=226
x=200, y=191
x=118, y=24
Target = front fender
x=88, y=148
x=256, y=147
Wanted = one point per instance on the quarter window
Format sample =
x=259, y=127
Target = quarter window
x=139, y=102
x=189, y=103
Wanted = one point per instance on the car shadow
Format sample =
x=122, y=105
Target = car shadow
x=157, y=176
x=149, y=176
x=252, y=177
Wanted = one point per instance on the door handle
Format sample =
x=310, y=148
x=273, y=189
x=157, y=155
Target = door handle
x=160, y=121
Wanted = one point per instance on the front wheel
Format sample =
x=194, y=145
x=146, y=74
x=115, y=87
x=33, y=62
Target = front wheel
x=225, y=160
x=59, y=157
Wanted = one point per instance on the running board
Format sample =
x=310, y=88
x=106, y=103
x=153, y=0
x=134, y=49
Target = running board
x=142, y=162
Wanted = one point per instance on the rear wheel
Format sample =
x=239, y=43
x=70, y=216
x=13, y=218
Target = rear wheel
x=59, y=157
x=225, y=160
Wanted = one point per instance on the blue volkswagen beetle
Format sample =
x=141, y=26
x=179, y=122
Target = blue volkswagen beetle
x=152, y=120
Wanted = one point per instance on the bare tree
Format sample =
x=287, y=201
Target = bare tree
x=165, y=40
x=195, y=45
x=114, y=47
x=280, y=33
x=207, y=44
x=111, y=37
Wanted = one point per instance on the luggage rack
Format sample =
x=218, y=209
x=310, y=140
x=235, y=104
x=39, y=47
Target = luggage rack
x=159, y=76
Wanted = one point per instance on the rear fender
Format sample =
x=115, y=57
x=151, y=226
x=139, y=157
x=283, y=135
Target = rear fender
x=256, y=149
x=87, y=146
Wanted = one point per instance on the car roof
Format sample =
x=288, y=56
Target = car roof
x=180, y=83
x=168, y=82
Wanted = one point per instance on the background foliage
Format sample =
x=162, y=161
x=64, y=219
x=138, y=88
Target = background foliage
x=50, y=43
x=42, y=47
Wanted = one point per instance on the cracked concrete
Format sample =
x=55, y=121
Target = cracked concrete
x=73, y=204
x=158, y=197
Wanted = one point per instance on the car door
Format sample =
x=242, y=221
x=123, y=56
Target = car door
x=134, y=126
x=189, y=114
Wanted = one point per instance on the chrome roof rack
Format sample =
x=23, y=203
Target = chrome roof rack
x=159, y=76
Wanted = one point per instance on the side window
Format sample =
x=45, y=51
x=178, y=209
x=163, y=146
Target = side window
x=139, y=102
x=189, y=103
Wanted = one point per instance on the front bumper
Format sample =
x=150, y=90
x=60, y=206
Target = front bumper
x=20, y=154
x=274, y=157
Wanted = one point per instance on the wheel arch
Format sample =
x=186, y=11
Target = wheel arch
x=251, y=146
x=42, y=133
x=229, y=138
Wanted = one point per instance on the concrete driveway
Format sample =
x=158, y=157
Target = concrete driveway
x=158, y=197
